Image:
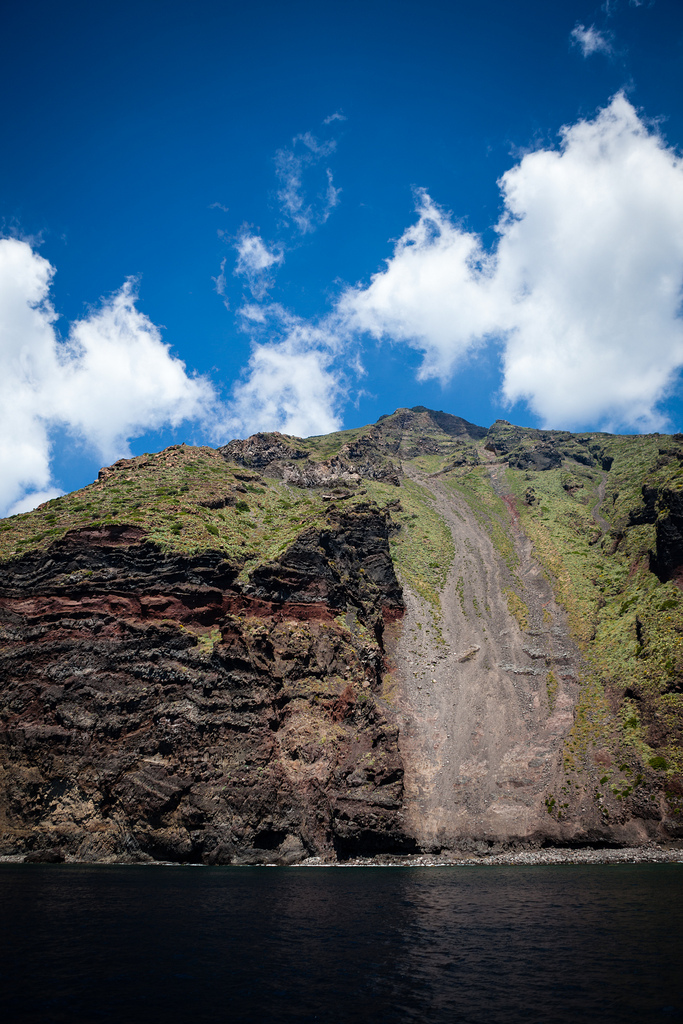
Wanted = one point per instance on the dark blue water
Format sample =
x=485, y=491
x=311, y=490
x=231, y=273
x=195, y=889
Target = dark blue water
x=543, y=944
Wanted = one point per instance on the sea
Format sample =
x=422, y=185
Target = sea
x=459, y=945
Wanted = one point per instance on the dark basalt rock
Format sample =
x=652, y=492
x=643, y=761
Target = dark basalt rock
x=667, y=562
x=528, y=448
x=45, y=857
x=349, y=562
x=238, y=709
x=152, y=708
x=647, y=512
x=274, y=453
x=260, y=450
x=456, y=426
x=540, y=458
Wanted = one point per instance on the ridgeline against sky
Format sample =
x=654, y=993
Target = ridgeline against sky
x=223, y=218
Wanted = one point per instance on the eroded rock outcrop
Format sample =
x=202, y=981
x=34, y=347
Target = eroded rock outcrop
x=154, y=706
x=279, y=457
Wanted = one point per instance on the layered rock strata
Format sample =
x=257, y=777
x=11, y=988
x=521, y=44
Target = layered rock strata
x=155, y=707
x=207, y=655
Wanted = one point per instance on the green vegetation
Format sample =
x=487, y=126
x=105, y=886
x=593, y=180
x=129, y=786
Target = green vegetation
x=561, y=526
x=629, y=624
x=423, y=549
x=207, y=641
x=168, y=496
x=326, y=446
x=254, y=518
x=518, y=608
x=430, y=463
x=474, y=486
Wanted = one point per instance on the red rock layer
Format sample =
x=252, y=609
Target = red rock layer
x=152, y=707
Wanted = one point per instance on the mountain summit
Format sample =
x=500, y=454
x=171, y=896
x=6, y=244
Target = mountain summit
x=418, y=635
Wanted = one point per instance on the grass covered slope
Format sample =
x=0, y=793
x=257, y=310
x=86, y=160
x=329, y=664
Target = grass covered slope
x=191, y=500
x=604, y=515
x=627, y=614
x=190, y=653
x=187, y=500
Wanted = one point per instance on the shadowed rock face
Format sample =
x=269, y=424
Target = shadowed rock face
x=668, y=562
x=281, y=458
x=452, y=425
x=541, y=458
x=260, y=450
x=162, y=710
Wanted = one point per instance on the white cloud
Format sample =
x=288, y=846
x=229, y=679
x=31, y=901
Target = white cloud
x=253, y=313
x=295, y=164
x=221, y=284
x=254, y=260
x=254, y=256
x=291, y=383
x=118, y=379
x=583, y=290
x=112, y=379
x=306, y=194
x=434, y=294
x=33, y=500
x=591, y=40
x=331, y=195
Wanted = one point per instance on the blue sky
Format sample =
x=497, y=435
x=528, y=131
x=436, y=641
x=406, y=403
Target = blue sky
x=328, y=211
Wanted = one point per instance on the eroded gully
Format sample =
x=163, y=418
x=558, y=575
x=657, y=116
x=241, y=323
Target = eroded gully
x=481, y=723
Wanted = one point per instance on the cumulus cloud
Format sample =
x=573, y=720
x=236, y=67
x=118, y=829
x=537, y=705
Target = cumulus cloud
x=33, y=500
x=113, y=378
x=583, y=290
x=435, y=293
x=294, y=167
x=291, y=383
x=591, y=40
x=254, y=260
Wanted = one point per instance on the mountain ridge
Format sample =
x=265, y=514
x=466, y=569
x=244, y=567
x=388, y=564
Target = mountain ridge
x=417, y=635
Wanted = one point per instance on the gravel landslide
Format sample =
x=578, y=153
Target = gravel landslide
x=631, y=855
x=482, y=725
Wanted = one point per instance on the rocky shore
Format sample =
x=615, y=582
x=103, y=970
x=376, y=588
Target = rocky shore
x=651, y=854
x=557, y=855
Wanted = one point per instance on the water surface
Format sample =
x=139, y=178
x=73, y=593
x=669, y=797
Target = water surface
x=459, y=945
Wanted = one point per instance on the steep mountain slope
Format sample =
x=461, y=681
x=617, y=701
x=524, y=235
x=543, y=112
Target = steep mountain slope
x=417, y=635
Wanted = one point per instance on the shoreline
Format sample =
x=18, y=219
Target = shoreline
x=522, y=858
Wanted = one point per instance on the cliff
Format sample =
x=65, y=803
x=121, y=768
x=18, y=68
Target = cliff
x=417, y=635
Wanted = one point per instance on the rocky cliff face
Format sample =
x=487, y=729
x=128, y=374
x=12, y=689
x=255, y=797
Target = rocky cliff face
x=154, y=706
x=419, y=635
